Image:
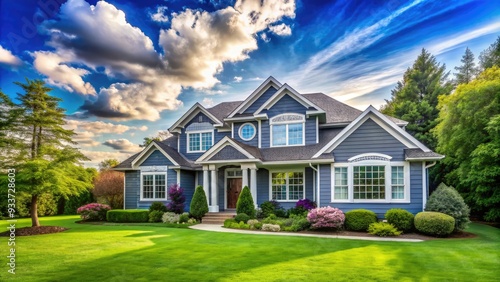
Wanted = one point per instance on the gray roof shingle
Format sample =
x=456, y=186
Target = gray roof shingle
x=420, y=154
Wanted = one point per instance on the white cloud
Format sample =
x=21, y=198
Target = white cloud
x=264, y=37
x=281, y=30
x=100, y=126
x=160, y=15
x=207, y=102
x=122, y=145
x=238, y=79
x=98, y=156
x=6, y=57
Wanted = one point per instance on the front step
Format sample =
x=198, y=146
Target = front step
x=217, y=217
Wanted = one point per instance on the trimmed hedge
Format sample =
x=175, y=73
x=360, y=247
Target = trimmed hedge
x=359, y=220
x=434, y=223
x=127, y=216
x=157, y=206
x=199, y=204
x=401, y=219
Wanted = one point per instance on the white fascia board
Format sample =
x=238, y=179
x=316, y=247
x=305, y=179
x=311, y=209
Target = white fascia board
x=147, y=152
x=197, y=106
x=314, y=161
x=425, y=159
x=231, y=161
x=270, y=81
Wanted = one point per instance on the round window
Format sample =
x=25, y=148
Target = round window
x=247, y=131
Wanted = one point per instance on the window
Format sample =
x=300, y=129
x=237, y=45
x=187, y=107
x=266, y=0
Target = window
x=340, y=185
x=287, y=186
x=153, y=186
x=369, y=182
x=397, y=182
x=247, y=131
x=287, y=130
x=199, y=141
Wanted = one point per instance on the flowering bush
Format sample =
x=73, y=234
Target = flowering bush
x=271, y=227
x=326, y=217
x=93, y=211
x=177, y=199
x=170, y=217
x=306, y=204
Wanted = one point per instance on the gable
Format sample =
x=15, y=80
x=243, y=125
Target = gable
x=228, y=153
x=156, y=158
x=194, y=112
x=261, y=100
x=286, y=104
x=369, y=137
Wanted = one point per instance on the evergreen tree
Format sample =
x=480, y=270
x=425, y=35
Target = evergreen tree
x=491, y=56
x=199, y=203
x=245, y=203
x=467, y=71
x=415, y=98
x=46, y=161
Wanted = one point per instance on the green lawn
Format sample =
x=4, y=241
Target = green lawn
x=151, y=253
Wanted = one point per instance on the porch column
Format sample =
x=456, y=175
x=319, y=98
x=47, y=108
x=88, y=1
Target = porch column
x=206, y=182
x=244, y=174
x=253, y=184
x=213, y=187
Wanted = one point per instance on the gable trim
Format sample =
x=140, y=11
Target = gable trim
x=270, y=81
x=147, y=152
x=226, y=141
x=284, y=90
x=180, y=122
x=380, y=119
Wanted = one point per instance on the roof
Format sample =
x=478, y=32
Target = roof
x=336, y=112
x=419, y=154
x=220, y=111
x=126, y=163
x=180, y=159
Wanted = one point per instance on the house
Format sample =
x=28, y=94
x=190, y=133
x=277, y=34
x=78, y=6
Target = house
x=284, y=146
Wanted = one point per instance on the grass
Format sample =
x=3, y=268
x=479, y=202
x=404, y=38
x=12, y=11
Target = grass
x=149, y=253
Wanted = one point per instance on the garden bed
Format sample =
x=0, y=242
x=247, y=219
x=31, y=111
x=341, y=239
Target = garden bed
x=37, y=230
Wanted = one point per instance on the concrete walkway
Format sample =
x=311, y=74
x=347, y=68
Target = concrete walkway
x=217, y=228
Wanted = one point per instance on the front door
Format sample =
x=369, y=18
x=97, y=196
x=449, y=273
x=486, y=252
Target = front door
x=233, y=191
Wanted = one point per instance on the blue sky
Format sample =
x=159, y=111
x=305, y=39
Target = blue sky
x=127, y=69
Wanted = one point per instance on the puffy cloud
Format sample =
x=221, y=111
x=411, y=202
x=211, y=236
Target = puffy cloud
x=160, y=15
x=101, y=127
x=281, y=30
x=208, y=102
x=85, y=139
x=98, y=156
x=122, y=145
x=6, y=57
x=238, y=79
x=61, y=75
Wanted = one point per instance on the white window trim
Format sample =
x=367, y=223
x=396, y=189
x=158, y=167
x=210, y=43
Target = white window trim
x=286, y=123
x=254, y=131
x=189, y=133
x=388, y=185
x=287, y=190
x=154, y=186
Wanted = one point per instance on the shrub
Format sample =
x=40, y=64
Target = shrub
x=326, y=217
x=401, y=219
x=359, y=220
x=127, y=216
x=74, y=202
x=183, y=218
x=227, y=222
x=271, y=227
x=297, y=211
x=155, y=216
x=306, y=204
x=199, y=204
x=93, y=211
x=280, y=212
x=192, y=221
x=448, y=201
x=245, y=203
x=241, y=217
x=177, y=199
x=108, y=187
x=170, y=217
x=269, y=207
x=157, y=206
x=383, y=229
x=253, y=223
x=434, y=223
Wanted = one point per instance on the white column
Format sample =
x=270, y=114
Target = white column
x=214, y=207
x=206, y=183
x=253, y=185
x=244, y=173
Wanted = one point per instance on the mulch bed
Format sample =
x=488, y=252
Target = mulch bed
x=39, y=230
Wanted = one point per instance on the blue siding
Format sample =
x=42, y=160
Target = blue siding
x=200, y=178
x=254, y=141
x=187, y=183
x=369, y=138
x=265, y=134
x=132, y=187
x=261, y=100
x=228, y=153
x=156, y=158
x=262, y=185
x=286, y=104
x=310, y=130
x=183, y=136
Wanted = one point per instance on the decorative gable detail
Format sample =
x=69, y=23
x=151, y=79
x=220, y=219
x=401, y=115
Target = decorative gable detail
x=190, y=114
x=287, y=118
x=287, y=90
x=229, y=148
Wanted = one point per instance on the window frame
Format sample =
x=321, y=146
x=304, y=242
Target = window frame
x=273, y=123
x=154, y=173
x=200, y=133
x=286, y=171
x=388, y=181
x=254, y=131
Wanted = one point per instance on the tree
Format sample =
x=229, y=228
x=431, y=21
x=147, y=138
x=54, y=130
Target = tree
x=199, y=203
x=46, y=161
x=491, y=56
x=415, y=98
x=177, y=199
x=108, y=164
x=245, y=203
x=467, y=71
x=9, y=114
x=468, y=134
x=108, y=187
x=160, y=136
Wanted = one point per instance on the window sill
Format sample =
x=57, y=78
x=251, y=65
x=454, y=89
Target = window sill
x=152, y=200
x=278, y=146
x=371, y=201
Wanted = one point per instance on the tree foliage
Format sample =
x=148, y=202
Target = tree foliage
x=177, y=199
x=199, y=203
x=491, y=56
x=108, y=187
x=108, y=164
x=467, y=71
x=415, y=98
x=468, y=134
x=245, y=203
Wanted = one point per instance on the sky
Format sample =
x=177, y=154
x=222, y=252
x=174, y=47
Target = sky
x=128, y=69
